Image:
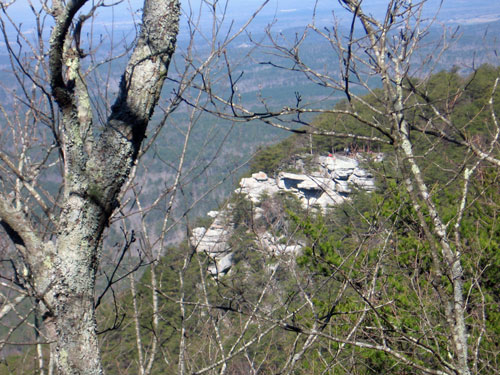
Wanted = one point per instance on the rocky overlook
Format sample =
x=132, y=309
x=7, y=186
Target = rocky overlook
x=330, y=182
x=327, y=185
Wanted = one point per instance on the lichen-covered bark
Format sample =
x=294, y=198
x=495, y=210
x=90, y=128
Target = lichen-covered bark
x=94, y=172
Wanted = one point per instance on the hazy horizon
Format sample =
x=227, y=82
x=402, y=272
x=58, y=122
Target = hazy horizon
x=282, y=13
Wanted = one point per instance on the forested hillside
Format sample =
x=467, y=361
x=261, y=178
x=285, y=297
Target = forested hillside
x=365, y=295
x=362, y=239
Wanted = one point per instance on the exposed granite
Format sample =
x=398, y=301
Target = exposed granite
x=328, y=185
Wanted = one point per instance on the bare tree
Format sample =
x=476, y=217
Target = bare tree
x=387, y=49
x=59, y=250
x=402, y=114
x=74, y=136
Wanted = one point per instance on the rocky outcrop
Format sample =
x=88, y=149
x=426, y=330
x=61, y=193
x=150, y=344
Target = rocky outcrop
x=256, y=186
x=329, y=183
x=214, y=241
x=278, y=245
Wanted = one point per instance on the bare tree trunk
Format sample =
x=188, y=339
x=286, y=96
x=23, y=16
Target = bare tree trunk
x=94, y=173
x=72, y=291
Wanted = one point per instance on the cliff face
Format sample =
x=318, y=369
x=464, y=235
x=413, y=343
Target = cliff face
x=329, y=182
x=326, y=185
